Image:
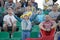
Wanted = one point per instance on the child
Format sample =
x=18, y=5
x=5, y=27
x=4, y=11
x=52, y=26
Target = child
x=26, y=27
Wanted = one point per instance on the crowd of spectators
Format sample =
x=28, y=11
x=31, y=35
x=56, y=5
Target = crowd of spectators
x=28, y=14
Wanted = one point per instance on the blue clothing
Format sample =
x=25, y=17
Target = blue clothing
x=25, y=34
x=35, y=5
x=26, y=25
x=40, y=17
x=32, y=18
x=37, y=17
x=19, y=19
x=24, y=4
x=26, y=28
x=7, y=5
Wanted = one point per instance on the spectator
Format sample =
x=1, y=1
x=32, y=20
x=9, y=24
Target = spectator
x=1, y=3
x=54, y=13
x=24, y=3
x=26, y=27
x=47, y=27
x=33, y=9
x=9, y=21
x=57, y=35
x=34, y=4
x=1, y=13
x=10, y=3
x=5, y=1
x=19, y=10
x=28, y=12
x=39, y=17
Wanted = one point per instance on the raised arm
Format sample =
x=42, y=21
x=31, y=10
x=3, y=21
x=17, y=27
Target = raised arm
x=41, y=26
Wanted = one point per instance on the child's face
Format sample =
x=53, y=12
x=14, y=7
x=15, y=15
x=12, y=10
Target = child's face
x=26, y=17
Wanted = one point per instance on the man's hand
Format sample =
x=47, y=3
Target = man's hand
x=44, y=29
x=48, y=29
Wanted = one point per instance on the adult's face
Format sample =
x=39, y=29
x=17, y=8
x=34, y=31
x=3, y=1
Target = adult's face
x=32, y=0
x=54, y=8
x=29, y=3
x=28, y=8
x=47, y=18
x=26, y=17
x=19, y=4
x=9, y=10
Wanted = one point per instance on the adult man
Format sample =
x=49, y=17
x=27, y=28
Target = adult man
x=9, y=21
x=10, y=3
x=24, y=3
x=34, y=4
x=47, y=27
x=54, y=13
x=57, y=35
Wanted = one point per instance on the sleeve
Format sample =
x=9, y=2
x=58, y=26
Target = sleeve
x=17, y=18
x=4, y=19
x=54, y=24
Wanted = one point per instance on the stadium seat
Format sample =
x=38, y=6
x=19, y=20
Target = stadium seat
x=35, y=28
x=16, y=36
x=34, y=34
x=4, y=35
x=18, y=24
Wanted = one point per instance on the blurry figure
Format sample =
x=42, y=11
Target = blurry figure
x=34, y=4
x=19, y=10
x=54, y=1
x=47, y=27
x=26, y=27
x=27, y=12
x=5, y=1
x=57, y=35
x=48, y=4
x=24, y=3
x=1, y=13
x=10, y=3
x=9, y=21
x=39, y=17
x=33, y=9
x=1, y=3
x=54, y=13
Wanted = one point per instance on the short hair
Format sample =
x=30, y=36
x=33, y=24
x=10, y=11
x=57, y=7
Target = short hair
x=55, y=5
